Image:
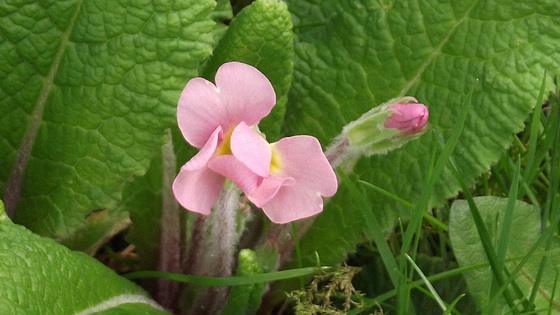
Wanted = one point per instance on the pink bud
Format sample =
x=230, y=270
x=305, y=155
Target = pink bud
x=408, y=118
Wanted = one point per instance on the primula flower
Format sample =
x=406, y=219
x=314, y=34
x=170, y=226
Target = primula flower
x=286, y=178
x=209, y=116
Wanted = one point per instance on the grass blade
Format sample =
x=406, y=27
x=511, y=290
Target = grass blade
x=376, y=232
x=505, y=231
x=531, y=167
x=553, y=134
x=550, y=306
x=452, y=305
x=428, y=284
x=434, y=221
x=228, y=281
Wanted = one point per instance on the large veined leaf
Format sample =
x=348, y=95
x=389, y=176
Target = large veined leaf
x=87, y=89
x=353, y=55
x=40, y=276
x=526, y=228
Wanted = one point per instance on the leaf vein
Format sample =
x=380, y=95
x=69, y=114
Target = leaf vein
x=15, y=181
x=435, y=53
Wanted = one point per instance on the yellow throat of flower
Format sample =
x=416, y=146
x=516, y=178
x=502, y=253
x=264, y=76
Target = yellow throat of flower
x=225, y=147
x=275, y=163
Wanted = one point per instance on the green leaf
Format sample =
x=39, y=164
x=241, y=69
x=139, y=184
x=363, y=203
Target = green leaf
x=352, y=55
x=261, y=35
x=87, y=89
x=469, y=251
x=40, y=276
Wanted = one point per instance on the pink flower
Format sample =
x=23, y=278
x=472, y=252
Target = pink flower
x=287, y=178
x=215, y=118
x=408, y=118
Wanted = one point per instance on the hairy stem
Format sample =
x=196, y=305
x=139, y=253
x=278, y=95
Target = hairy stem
x=213, y=245
x=337, y=152
x=170, y=227
x=196, y=246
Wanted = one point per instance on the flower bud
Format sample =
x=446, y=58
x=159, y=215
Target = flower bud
x=408, y=118
x=382, y=129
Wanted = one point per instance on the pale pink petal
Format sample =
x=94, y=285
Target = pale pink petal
x=241, y=93
x=198, y=190
x=234, y=170
x=245, y=92
x=268, y=189
x=293, y=203
x=203, y=156
x=251, y=149
x=302, y=158
x=200, y=111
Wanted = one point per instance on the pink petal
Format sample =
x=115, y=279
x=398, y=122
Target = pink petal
x=293, y=203
x=241, y=93
x=245, y=92
x=203, y=156
x=234, y=170
x=200, y=111
x=251, y=149
x=268, y=189
x=198, y=190
x=302, y=158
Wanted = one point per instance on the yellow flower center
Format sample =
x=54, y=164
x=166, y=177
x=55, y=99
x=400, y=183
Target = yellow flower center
x=275, y=162
x=225, y=147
